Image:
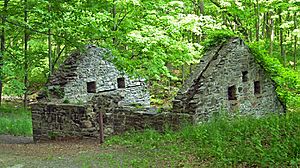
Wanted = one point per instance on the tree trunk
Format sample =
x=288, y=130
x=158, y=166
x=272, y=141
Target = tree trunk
x=257, y=21
x=201, y=6
x=295, y=41
x=50, y=45
x=282, y=52
x=26, y=39
x=2, y=45
x=114, y=13
x=271, y=34
x=264, y=26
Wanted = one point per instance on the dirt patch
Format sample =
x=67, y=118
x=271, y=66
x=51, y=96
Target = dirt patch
x=10, y=139
x=26, y=146
x=22, y=152
x=83, y=153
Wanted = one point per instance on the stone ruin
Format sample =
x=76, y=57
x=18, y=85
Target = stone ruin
x=227, y=79
x=87, y=85
x=87, y=73
x=64, y=121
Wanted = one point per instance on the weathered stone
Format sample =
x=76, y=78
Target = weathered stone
x=66, y=120
x=87, y=124
x=228, y=78
x=84, y=74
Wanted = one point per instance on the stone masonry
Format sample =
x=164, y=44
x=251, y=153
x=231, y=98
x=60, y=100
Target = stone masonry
x=87, y=73
x=228, y=79
x=60, y=121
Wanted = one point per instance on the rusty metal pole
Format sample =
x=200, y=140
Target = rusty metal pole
x=101, y=137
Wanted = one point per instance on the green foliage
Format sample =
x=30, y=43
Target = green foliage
x=53, y=135
x=234, y=142
x=163, y=92
x=57, y=92
x=66, y=101
x=288, y=81
x=216, y=37
x=149, y=39
x=15, y=120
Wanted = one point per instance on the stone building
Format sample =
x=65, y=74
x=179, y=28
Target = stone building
x=85, y=74
x=88, y=96
x=228, y=79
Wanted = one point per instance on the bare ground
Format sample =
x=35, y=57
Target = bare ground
x=21, y=152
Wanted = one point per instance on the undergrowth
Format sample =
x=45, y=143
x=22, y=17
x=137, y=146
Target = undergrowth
x=239, y=141
x=15, y=120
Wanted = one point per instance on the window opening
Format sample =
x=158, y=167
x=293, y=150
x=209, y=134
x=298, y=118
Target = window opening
x=257, y=88
x=121, y=82
x=245, y=76
x=91, y=87
x=232, y=93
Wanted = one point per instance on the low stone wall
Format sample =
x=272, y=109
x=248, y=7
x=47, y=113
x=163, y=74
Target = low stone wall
x=51, y=121
x=124, y=119
x=59, y=121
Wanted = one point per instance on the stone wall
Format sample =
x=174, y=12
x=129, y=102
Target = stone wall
x=51, y=121
x=72, y=79
x=58, y=121
x=228, y=79
x=125, y=119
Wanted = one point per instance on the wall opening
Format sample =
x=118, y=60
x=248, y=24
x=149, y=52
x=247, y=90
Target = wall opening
x=232, y=93
x=245, y=76
x=121, y=82
x=257, y=88
x=91, y=87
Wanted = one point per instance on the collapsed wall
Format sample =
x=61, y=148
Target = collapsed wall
x=59, y=121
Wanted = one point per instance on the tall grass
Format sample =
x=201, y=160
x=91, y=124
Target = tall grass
x=239, y=141
x=15, y=120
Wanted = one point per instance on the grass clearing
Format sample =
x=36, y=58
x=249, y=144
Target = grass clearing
x=15, y=120
x=239, y=141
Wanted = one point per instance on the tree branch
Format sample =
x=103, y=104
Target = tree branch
x=17, y=24
x=58, y=56
x=236, y=20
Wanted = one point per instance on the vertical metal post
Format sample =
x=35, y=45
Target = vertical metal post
x=101, y=137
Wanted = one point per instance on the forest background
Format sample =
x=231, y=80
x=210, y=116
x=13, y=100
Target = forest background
x=159, y=40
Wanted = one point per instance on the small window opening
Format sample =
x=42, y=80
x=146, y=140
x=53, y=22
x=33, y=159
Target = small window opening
x=91, y=87
x=241, y=43
x=232, y=93
x=245, y=76
x=121, y=82
x=257, y=88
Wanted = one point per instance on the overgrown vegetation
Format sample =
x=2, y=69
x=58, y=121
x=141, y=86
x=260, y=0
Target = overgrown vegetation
x=287, y=80
x=239, y=141
x=15, y=120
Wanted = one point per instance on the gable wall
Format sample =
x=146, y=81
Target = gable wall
x=211, y=91
x=93, y=68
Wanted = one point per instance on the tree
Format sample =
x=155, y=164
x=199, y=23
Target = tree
x=2, y=43
x=26, y=39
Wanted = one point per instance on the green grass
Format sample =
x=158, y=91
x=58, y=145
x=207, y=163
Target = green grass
x=233, y=142
x=270, y=141
x=15, y=120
